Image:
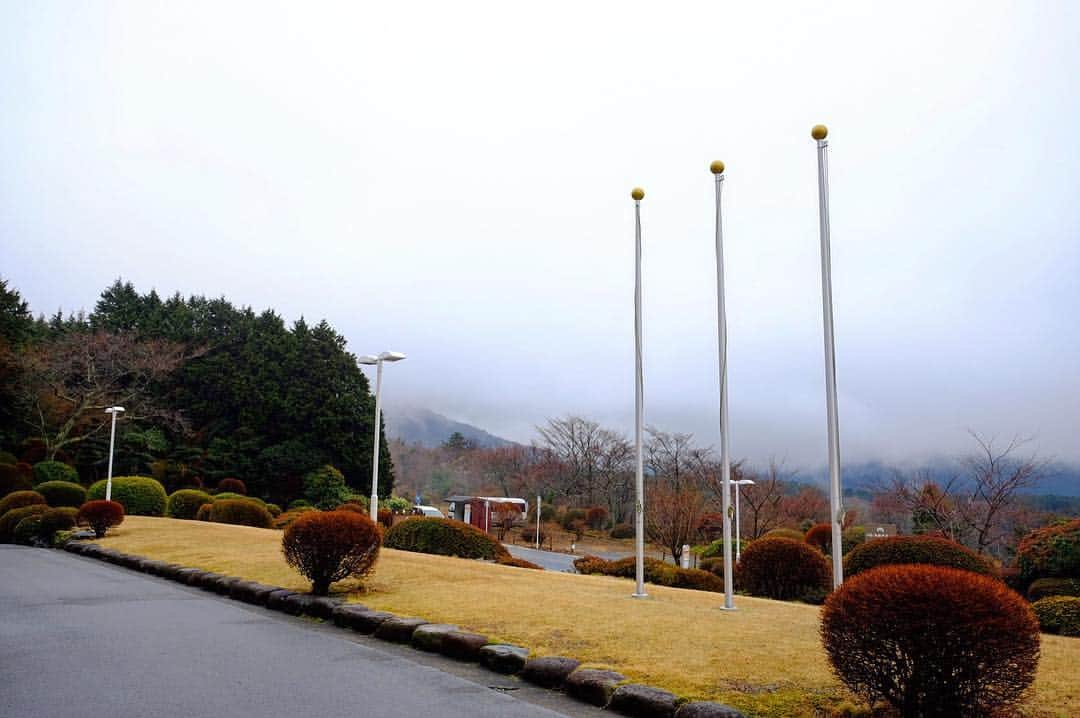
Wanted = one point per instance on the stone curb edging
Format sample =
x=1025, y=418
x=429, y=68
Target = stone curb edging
x=596, y=687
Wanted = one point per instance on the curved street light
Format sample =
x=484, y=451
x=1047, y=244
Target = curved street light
x=378, y=362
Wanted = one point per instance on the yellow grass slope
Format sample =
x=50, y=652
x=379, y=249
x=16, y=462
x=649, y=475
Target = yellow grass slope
x=765, y=658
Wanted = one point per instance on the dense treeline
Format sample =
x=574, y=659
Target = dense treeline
x=212, y=391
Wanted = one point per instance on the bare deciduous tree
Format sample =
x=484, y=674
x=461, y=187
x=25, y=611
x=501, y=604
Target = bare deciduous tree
x=674, y=516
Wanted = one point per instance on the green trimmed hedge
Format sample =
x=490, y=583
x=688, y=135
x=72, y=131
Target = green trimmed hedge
x=54, y=471
x=139, y=495
x=1059, y=614
x=11, y=519
x=444, y=537
x=1046, y=587
x=241, y=512
x=1051, y=552
x=185, y=503
x=19, y=499
x=916, y=549
x=53, y=520
x=62, y=493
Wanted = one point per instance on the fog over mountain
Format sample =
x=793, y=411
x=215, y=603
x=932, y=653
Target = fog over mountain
x=452, y=181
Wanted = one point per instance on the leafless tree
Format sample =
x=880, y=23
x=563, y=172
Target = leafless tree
x=68, y=382
x=761, y=502
x=674, y=516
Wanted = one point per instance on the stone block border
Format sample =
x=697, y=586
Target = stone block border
x=597, y=687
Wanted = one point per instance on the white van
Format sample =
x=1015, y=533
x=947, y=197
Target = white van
x=428, y=511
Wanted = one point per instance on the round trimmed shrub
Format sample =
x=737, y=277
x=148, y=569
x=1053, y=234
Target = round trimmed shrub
x=916, y=549
x=203, y=514
x=11, y=479
x=101, y=515
x=595, y=516
x=820, y=537
x=285, y=519
x=232, y=486
x=570, y=516
x=53, y=520
x=1059, y=614
x=27, y=530
x=931, y=640
x=445, y=537
x=241, y=512
x=62, y=493
x=11, y=519
x=792, y=534
x=185, y=503
x=325, y=487
x=54, y=471
x=139, y=495
x=332, y=545
x=1046, y=587
x=274, y=510
x=386, y=518
x=238, y=497
x=852, y=537
x=1051, y=552
x=299, y=504
x=783, y=569
x=20, y=499
x=622, y=531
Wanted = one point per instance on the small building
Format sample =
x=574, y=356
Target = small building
x=477, y=510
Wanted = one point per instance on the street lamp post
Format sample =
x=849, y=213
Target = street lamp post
x=717, y=168
x=378, y=362
x=638, y=194
x=114, y=410
x=819, y=133
x=738, y=529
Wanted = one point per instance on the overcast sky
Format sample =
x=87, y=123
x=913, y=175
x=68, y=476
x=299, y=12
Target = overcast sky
x=452, y=180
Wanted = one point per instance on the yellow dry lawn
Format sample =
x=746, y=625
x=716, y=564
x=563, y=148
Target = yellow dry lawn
x=764, y=658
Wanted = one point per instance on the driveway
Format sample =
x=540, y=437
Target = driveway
x=84, y=638
x=552, y=560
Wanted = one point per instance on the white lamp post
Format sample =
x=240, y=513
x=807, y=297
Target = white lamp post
x=738, y=529
x=378, y=362
x=819, y=133
x=717, y=168
x=638, y=194
x=114, y=410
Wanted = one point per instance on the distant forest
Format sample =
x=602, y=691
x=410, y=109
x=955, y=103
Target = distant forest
x=210, y=391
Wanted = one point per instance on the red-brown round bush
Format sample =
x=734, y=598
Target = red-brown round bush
x=327, y=546
x=595, y=516
x=820, y=536
x=386, y=518
x=241, y=512
x=1051, y=552
x=932, y=640
x=203, y=512
x=101, y=515
x=234, y=486
x=783, y=569
x=915, y=549
x=19, y=499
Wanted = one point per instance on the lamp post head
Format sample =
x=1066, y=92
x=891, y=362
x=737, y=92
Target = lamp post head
x=717, y=167
x=115, y=410
x=367, y=359
x=638, y=194
x=391, y=356
x=819, y=132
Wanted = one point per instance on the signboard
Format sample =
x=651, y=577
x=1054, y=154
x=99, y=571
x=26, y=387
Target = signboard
x=876, y=531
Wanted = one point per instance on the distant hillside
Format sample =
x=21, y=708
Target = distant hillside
x=423, y=426
x=1060, y=479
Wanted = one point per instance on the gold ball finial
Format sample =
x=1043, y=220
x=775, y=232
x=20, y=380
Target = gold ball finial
x=819, y=132
x=717, y=167
x=638, y=194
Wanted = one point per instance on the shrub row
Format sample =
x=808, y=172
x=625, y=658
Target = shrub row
x=656, y=572
x=185, y=503
x=444, y=537
x=19, y=499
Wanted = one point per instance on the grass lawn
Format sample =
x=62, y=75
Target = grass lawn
x=765, y=658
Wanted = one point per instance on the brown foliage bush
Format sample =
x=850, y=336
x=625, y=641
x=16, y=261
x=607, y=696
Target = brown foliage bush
x=932, y=640
x=11, y=519
x=915, y=549
x=517, y=562
x=232, y=486
x=241, y=512
x=595, y=516
x=783, y=569
x=19, y=499
x=327, y=546
x=820, y=537
x=101, y=515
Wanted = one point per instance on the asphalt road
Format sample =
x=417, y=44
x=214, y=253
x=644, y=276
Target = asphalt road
x=84, y=638
x=551, y=560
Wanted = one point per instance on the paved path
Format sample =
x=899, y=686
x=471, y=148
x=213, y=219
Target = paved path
x=84, y=638
x=552, y=560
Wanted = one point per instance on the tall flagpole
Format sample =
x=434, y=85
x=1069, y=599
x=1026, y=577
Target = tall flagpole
x=639, y=413
x=819, y=133
x=717, y=168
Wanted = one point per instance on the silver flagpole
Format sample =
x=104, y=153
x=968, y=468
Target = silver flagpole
x=717, y=168
x=819, y=133
x=639, y=413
